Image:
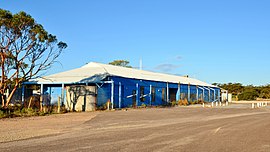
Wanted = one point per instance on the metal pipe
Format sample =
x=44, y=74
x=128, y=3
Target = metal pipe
x=150, y=95
x=197, y=93
x=214, y=94
x=179, y=89
x=188, y=92
x=62, y=93
x=137, y=94
x=23, y=90
x=203, y=91
x=167, y=91
x=208, y=93
x=112, y=92
x=120, y=94
x=41, y=89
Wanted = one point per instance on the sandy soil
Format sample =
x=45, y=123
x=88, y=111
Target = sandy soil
x=22, y=128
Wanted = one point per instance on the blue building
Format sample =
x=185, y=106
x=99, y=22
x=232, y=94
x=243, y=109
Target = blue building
x=94, y=84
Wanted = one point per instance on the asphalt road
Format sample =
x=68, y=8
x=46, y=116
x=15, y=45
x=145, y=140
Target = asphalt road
x=157, y=129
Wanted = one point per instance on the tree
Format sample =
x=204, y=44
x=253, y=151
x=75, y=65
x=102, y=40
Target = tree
x=123, y=63
x=234, y=88
x=26, y=49
x=249, y=93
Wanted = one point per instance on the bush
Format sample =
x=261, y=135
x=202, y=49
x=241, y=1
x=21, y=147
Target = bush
x=174, y=103
x=143, y=105
x=2, y=114
x=193, y=102
x=248, y=95
x=183, y=102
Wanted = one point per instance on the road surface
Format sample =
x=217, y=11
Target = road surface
x=153, y=129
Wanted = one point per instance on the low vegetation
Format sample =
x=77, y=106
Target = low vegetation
x=20, y=111
x=249, y=92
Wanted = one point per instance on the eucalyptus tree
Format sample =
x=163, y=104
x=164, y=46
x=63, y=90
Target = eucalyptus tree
x=123, y=63
x=26, y=49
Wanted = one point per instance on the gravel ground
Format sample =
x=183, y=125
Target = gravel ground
x=233, y=128
x=28, y=127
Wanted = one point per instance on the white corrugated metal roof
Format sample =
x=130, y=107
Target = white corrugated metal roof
x=92, y=69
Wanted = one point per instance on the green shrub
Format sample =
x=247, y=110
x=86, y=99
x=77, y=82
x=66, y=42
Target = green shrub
x=174, y=103
x=248, y=95
x=143, y=105
x=2, y=114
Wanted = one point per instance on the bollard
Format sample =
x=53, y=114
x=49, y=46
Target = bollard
x=108, y=105
x=212, y=104
x=203, y=104
x=227, y=103
x=216, y=104
x=252, y=105
x=258, y=105
x=220, y=104
x=58, y=105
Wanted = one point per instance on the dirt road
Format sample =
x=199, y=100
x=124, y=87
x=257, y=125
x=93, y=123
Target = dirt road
x=157, y=129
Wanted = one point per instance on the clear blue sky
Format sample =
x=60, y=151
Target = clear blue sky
x=211, y=40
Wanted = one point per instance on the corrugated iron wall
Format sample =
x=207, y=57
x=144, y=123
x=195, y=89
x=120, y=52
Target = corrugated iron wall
x=130, y=87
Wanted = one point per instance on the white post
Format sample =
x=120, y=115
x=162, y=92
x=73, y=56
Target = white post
x=179, y=87
x=220, y=104
x=167, y=92
x=203, y=104
x=197, y=93
x=41, y=97
x=63, y=93
x=112, y=92
x=189, y=93
x=23, y=90
x=137, y=94
x=150, y=95
x=252, y=105
x=212, y=104
x=216, y=104
x=209, y=94
x=108, y=105
x=120, y=95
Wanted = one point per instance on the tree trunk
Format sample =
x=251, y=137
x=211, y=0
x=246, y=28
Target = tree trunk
x=3, y=100
x=30, y=102
x=11, y=95
x=40, y=103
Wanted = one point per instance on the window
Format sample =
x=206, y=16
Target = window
x=142, y=94
x=153, y=94
x=164, y=94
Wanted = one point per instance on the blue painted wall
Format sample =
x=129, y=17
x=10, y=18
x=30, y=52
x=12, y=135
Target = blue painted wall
x=128, y=88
